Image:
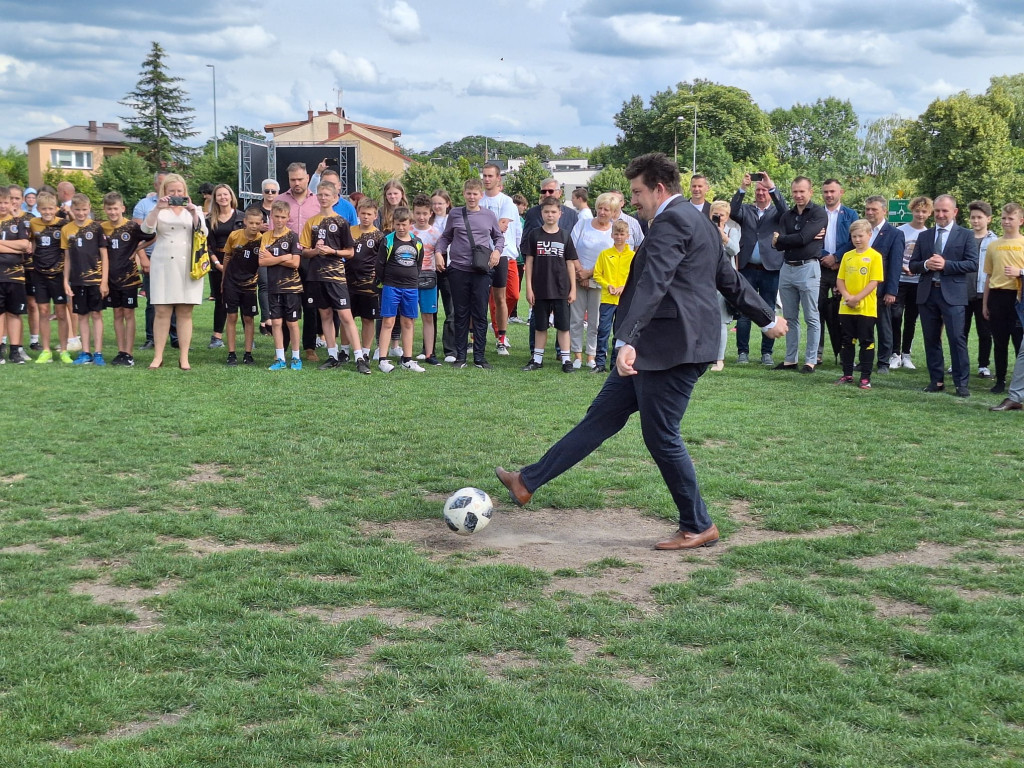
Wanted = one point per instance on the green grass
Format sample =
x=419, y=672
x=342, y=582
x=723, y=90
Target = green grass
x=784, y=652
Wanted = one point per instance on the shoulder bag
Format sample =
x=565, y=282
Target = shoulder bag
x=481, y=254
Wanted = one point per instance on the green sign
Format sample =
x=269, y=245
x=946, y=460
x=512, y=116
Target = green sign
x=899, y=212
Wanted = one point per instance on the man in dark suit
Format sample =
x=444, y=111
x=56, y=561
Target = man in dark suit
x=667, y=331
x=943, y=256
x=890, y=243
x=757, y=261
x=699, y=192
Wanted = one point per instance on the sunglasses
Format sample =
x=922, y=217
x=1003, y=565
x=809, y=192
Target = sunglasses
x=549, y=191
x=269, y=191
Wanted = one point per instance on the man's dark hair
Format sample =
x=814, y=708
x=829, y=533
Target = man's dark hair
x=698, y=176
x=495, y=166
x=980, y=205
x=832, y=181
x=653, y=169
x=810, y=183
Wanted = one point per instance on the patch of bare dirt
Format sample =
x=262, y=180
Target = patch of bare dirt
x=23, y=549
x=315, y=502
x=129, y=598
x=926, y=553
x=393, y=617
x=972, y=595
x=93, y=514
x=203, y=547
x=358, y=666
x=498, y=665
x=229, y=511
x=128, y=730
x=328, y=578
x=112, y=563
x=10, y=479
x=637, y=680
x=202, y=473
x=886, y=608
x=583, y=649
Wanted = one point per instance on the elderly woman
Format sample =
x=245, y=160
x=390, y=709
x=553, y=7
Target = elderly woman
x=730, y=233
x=590, y=236
x=171, y=287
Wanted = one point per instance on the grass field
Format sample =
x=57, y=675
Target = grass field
x=232, y=567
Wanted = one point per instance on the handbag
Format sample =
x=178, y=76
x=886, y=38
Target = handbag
x=480, y=254
x=427, y=281
x=200, y=255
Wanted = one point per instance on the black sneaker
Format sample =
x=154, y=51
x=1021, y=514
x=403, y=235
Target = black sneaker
x=20, y=357
x=459, y=364
x=533, y=365
x=343, y=357
x=35, y=346
x=232, y=359
x=148, y=345
x=331, y=362
x=247, y=359
x=599, y=369
x=3, y=351
x=362, y=366
x=482, y=364
x=118, y=359
x=567, y=367
x=432, y=360
x=129, y=361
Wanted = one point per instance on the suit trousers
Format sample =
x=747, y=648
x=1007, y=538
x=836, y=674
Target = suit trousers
x=884, y=332
x=661, y=397
x=798, y=288
x=904, y=318
x=766, y=283
x=935, y=313
x=829, y=300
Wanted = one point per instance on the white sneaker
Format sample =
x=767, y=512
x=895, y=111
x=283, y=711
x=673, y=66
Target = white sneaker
x=984, y=372
x=397, y=352
x=502, y=349
x=591, y=364
x=386, y=365
x=895, y=362
x=908, y=363
x=577, y=364
x=421, y=356
x=449, y=358
x=412, y=365
x=376, y=354
x=320, y=343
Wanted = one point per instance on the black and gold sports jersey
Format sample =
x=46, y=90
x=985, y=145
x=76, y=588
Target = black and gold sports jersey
x=124, y=240
x=242, y=260
x=48, y=258
x=360, y=267
x=83, y=246
x=26, y=217
x=12, y=265
x=332, y=231
x=281, y=279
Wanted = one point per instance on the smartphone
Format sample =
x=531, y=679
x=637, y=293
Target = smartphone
x=716, y=218
x=331, y=162
x=757, y=177
x=177, y=200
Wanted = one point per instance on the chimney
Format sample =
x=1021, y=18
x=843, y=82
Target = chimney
x=332, y=130
x=309, y=115
x=339, y=112
x=92, y=126
x=111, y=126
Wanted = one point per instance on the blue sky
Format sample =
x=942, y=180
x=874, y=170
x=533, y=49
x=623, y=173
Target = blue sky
x=552, y=72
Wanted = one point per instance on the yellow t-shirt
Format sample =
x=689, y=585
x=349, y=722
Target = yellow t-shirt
x=612, y=268
x=1002, y=253
x=857, y=270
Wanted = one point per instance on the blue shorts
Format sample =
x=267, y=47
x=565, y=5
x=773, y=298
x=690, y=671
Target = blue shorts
x=428, y=300
x=399, y=301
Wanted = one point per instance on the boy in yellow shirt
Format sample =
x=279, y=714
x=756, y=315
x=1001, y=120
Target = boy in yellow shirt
x=860, y=272
x=1004, y=259
x=610, y=272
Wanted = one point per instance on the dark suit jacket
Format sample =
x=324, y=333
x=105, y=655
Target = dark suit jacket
x=705, y=209
x=759, y=230
x=891, y=244
x=961, y=255
x=669, y=309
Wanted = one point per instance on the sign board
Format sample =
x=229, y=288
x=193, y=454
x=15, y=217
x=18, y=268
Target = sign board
x=899, y=212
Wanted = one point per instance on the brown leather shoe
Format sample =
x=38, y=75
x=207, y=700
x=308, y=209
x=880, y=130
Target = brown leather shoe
x=687, y=540
x=1007, y=405
x=514, y=482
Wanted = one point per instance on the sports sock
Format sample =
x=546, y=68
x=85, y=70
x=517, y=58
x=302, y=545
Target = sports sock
x=332, y=351
x=538, y=355
x=564, y=355
x=406, y=359
x=280, y=353
x=345, y=348
x=359, y=354
x=33, y=338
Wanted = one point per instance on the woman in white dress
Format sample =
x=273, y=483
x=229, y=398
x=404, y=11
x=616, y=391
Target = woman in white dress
x=171, y=287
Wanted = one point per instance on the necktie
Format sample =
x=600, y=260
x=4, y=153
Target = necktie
x=939, y=240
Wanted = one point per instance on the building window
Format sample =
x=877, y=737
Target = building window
x=69, y=158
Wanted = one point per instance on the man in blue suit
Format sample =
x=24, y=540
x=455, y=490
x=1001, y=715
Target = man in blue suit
x=889, y=242
x=943, y=256
x=667, y=330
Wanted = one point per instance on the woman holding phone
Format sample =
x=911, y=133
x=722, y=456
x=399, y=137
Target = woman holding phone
x=171, y=287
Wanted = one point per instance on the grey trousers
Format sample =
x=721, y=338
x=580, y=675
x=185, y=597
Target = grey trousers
x=1016, y=391
x=798, y=289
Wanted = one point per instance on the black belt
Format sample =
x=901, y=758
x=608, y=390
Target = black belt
x=799, y=263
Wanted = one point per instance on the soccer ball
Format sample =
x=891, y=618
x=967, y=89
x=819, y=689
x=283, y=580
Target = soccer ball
x=467, y=511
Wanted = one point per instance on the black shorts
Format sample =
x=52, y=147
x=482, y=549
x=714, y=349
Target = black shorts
x=366, y=305
x=499, y=275
x=286, y=306
x=328, y=295
x=239, y=301
x=123, y=298
x=47, y=288
x=13, y=300
x=542, y=308
x=86, y=299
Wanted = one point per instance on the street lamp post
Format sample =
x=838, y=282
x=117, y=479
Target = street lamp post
x=694, y=168
x=675, y=138
x=216, y=153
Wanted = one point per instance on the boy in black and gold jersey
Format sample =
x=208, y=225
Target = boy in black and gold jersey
x=17, y=209
x=326, y=242
x=126, y=251
x=15, y=246
x=361, y=274
x=47, y=276
x=239, y=281
x=280, y=254
x=86, y=271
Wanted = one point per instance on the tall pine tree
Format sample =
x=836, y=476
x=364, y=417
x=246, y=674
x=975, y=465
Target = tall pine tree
x=163, y=118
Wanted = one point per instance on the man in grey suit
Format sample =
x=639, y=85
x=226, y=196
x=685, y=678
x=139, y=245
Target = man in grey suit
x=667, y=331
x=943, y=256
x=757, y=261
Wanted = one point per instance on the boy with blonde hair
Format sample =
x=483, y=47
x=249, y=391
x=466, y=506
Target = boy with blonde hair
x=860, y=272
x=127, y=248
x=86, y=276
x=1004, y=263
x=279, y=253
x=610, y=272
x=241, y=277
x=48, y=276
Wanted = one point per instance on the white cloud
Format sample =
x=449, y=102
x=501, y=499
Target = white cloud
x=399, y=20
x=231, y=41
x=519, y=81
x=351, y=71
